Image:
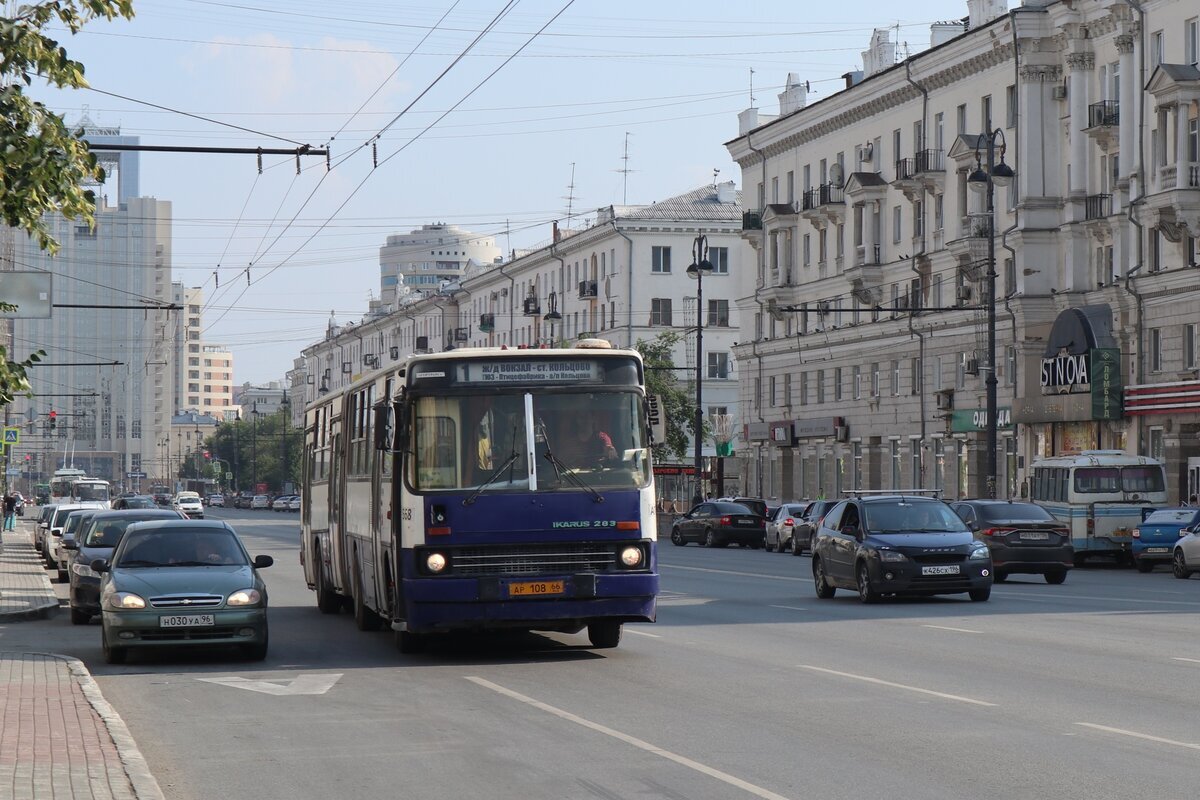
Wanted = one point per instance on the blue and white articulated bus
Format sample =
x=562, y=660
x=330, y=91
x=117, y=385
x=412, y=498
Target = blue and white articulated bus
x=1101, y=495
x=485, y=488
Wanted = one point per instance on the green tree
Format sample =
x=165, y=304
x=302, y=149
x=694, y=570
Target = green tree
x=45, y=166
x=678, y=398
x=268, y=449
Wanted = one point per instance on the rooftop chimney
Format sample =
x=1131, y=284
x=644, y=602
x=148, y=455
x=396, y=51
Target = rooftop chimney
x=853, y=78
x=942, y=32
x=726, y=192
x=981, y=12
x=881, y=53
x=794, y=95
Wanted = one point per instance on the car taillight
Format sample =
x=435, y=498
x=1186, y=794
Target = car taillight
x=789, y=521
x=725, y=520
x=996, y=531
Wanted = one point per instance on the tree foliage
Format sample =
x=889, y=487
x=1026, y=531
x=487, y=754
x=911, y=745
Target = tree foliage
x=677, y=397
x=13, y=380
x=45, y=166
x=265, y=448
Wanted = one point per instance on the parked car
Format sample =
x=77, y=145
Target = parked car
x=189, y=503
x=282, y=503
x=126, y=502
x=896, y=545
x=53, y=535
x=260, y=501
x=182, y=583
x=779, y=526
x=1155, y=539
x=96, y=540
x=717, y=524
x=806, y=525
x=1022, y=537
x=294, y=503
x=76, y=521
x=242, y=501
x=216, y=501
x=1186, y=553
x=755, y=504
x=42, y=528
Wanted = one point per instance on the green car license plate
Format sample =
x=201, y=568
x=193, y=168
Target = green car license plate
x=186, y=621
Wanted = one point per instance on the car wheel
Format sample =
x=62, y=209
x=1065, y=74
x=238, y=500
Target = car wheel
x=327, y=600
x=980, y=595
x=604, y=634
x=1179, y=567
x=866, y=592
x=1143, y=565
x=63, y=576
x=677, y=538
x=796, y=548
x=785, y=545
x=710, y=540
x=770, y=548
x=1056, y=576
x=1000, y=576
x=821, y=584
x=256, y=651
x=112, y=655
x=80, y=617
x=408, y=642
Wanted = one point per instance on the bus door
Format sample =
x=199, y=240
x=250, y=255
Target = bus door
x=337, y=527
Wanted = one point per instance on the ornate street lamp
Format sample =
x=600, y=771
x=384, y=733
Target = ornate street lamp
x=985, y=181
x=699, y=266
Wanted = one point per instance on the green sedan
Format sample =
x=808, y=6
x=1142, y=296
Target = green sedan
x=182, y=583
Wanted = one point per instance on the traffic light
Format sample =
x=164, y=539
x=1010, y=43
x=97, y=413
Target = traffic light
x=53, y=419
x=207, y=454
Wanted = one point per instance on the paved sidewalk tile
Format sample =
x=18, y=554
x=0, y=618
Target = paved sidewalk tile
x=25, y=590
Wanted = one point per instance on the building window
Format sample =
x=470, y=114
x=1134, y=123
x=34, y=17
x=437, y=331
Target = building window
x=1156, y=350
x=803, y=388
x=787, y=389
x=858, y=465
x=856, y=382
x=914, y=376
x=875, y=380
x=960, y=116
x=771, y=391
x=1156, y=443
x=914, y=454
x=1191, y=42
x=1189, y=346
x=895, y=224
x=719, y=258
x=718, y=365
x=758, y=392
x=1010, y=277
x=894, y=449
x=718, y=314
x=985, y=112
x=820, y=386
x=963, y=468
x=1156, y=48
x=896, y=378
x=1010, y=106
x=805, y=249
x=1010, y=366
x=837, y=383
x=660, y=259
x=660, y=311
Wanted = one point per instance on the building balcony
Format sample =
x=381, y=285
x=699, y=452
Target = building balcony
x=1097, y=206
x=1175, y=207
x=1104, y=121
x=866, y=281
x=587, y=290
x=824, y=205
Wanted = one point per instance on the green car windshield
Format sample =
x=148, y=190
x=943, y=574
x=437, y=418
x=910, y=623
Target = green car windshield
x=108, y=532
x=166, y=547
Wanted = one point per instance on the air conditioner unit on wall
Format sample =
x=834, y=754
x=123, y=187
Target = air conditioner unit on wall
x=1060, y=92
x=964, y=294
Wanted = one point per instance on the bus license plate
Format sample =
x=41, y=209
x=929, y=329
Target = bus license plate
x=186, y=620
x=531, y=588
x=950, y=569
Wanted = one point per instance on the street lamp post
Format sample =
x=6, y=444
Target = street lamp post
x=254, y=447
x=700, y=265
x=985, y=181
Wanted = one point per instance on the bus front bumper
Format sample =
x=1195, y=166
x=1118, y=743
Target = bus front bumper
x=561, y=602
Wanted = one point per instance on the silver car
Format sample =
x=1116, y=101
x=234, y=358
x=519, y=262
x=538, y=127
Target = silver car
x=781, y=524
x=1185, y=556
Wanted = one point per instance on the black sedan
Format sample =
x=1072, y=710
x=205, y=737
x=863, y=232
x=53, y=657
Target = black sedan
x=806, y=525
x=881, y=545
x=717, y=524
x=1022, y=537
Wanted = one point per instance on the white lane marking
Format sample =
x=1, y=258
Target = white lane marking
x=735, y=572
x=725, y=777
x=879, y=682
x=790, y=608
x=948, y=628
x=1137, y=735
x=642, y=633
x=1190, y=660
x=1056, y=596
x=301, y=684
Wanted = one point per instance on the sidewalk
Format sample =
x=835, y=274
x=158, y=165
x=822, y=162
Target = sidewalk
x=59, y=737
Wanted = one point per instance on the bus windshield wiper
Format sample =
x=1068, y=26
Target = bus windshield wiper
x=508, y=462
x=562, y=470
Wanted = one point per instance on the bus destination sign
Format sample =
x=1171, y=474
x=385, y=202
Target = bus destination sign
x=531, y=371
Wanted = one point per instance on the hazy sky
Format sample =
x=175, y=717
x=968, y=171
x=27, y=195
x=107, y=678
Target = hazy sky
x=491, y=154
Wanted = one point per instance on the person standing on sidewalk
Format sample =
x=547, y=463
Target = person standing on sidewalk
x=10, y=512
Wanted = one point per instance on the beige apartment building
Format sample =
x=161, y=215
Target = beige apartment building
x=869, y=355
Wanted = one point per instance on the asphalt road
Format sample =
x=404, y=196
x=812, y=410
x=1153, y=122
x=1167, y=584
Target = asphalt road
x=748, y=686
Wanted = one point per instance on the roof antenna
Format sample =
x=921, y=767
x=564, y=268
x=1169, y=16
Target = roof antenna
x=752, y=87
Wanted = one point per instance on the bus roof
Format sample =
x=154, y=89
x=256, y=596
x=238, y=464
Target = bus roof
x=1096, y=458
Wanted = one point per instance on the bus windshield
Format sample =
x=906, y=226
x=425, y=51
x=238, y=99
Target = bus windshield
x=1108, y=480
x=88, y=492
x=481, y=442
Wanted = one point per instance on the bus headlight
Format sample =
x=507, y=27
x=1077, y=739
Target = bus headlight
x=435, y=563
x=632, y=557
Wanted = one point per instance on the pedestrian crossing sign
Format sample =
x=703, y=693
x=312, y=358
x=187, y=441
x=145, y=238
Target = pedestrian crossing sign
x=12, y=435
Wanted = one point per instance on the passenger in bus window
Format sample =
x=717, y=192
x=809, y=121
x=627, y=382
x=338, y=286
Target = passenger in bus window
x=583, y=444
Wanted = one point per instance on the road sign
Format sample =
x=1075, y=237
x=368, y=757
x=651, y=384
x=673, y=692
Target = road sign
x=12, y=435
x=13, y=471
x=135, y=474
x=228, y=476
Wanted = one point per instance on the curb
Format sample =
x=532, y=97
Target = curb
x=145, y=787
x=35, y=612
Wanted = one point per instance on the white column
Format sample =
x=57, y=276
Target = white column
x=1181, y=141
x=869, y=231
x=1127, y=110
x=1081, y=65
